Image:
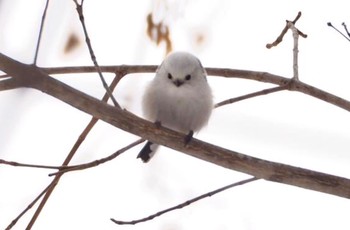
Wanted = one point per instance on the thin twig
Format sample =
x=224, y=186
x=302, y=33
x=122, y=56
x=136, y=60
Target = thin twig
x=14, y=221
x=184, y=204
x=40, y=32
x=79, y=8
x=97, y=162
x=346, y=29
x=17, y=164
x=330, y=25
x=65, y=169
x=251, y=95
x=284, y=31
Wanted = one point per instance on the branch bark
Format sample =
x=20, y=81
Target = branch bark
x=36, y=78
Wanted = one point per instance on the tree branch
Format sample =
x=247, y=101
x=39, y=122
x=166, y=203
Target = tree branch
x=331, y=25
x=251, y=95
x=18, y=164
x=293, y=84
x=346, y=29
x=9, y=83
x=65, y=168
x=14, y=221
x=40, y=32
x=33, y=77
x=184, y=204
x=284, y=31
x=79, y=8
x=295, y=33
x=97, y=162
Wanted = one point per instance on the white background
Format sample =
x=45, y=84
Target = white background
x=286, y=127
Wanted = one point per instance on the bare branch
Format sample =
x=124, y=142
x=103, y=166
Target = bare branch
x=223, y=72
x=97, y=162
x=330, y=25
x=79, y=8
x=40, y=32
x=9, y=83
x=284, y=31
x=17, y=164
x=159, y=32
x=184, y=204
x=4, y=76
x=251, y=95
x=295, y=50
x=346, y=29
x=126, y=69
x=13, y=222
x=65, y=169
x=9, y=64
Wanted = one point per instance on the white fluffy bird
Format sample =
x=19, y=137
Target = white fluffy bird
x=178, y=98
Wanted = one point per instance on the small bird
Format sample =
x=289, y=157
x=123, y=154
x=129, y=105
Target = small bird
x=178, y=98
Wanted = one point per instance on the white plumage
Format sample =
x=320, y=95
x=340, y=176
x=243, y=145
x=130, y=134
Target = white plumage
x=179, y=97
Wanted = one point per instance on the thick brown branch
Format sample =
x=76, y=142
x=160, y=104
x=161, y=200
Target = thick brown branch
x=10, y=83
x=35, y=78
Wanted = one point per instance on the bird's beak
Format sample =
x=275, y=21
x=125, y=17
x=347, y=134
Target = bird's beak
x=178, y=82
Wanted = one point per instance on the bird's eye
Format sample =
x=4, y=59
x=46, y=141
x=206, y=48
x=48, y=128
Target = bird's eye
x=188, y=77
x=170, y=76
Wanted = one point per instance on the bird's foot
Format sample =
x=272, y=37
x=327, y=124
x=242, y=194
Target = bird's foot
x=188, y=137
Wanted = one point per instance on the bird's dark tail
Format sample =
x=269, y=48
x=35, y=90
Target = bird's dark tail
x=147, y=151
